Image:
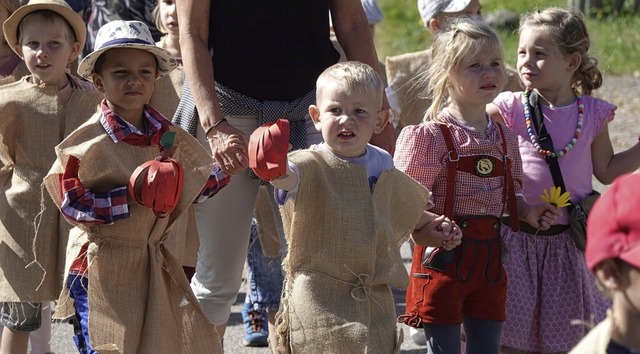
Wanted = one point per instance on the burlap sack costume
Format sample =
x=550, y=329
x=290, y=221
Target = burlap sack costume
x=343, y=256
x=32, y=234
x=165, y=99
x=139, y=298
x=405, y=74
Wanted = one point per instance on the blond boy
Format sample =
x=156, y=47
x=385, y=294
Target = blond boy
x=38, y=111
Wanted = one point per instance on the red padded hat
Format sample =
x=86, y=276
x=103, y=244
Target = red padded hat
x=613, y=227
x=268, y=148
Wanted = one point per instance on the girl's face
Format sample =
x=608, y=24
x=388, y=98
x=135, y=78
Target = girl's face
x=47, y=51
x=478, y=78
x=168, y=16
x=541, y=64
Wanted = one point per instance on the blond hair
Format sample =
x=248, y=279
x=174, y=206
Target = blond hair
x=351, y=75
x=568, y=31
x=460, y=38
x=51, y=18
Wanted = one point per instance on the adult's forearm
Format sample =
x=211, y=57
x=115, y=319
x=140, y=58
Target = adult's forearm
x=193, y=16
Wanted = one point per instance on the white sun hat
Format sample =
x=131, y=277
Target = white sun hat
x=126, y=34
x=430, y=8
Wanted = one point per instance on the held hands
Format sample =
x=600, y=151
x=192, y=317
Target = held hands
x=439, y=232
x=229, y=148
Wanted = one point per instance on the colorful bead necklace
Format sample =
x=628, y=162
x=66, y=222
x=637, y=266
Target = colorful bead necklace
x=532, y=134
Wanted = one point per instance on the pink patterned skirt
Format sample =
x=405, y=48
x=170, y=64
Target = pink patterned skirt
x=552, y=300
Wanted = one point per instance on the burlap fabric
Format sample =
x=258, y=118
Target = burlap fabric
x=139, y=298
x=343, y=256
x=32, y=234
x=404, y=76
x=167, y=92
x=165, y=99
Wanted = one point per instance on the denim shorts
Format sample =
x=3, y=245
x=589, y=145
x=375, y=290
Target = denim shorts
x=265, y=275
x=21, y=316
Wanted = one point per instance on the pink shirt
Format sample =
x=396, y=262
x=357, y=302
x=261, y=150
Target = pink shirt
x=576, y=165
x=421, y=153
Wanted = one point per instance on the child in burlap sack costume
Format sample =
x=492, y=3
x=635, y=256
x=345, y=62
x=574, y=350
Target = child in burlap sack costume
x=38, y=111
x=131, y=293
x=346, y=211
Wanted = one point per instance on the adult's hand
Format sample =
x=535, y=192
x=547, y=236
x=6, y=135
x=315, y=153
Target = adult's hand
x=229, y=148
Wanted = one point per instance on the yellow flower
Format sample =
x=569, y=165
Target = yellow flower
x=554, y=197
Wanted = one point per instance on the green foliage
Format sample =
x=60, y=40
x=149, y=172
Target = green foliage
x=615, y=39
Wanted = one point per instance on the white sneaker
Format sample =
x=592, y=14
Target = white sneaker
x=417, y=335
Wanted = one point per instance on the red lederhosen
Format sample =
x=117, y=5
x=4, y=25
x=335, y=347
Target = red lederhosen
x=468, y=281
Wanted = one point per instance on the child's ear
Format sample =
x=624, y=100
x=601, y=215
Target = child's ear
x=382, y=118
x=314, y=112
x=75, y=52
x=574, y=61
x=18, y=49
x=97, y=82
x=608, y=273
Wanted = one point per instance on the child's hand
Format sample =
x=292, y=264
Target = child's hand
x=440, y=232
x=541, y=216
x=453, y=238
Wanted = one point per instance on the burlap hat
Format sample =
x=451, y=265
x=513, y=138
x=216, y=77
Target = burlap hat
x=126, y=34
x=10, y=26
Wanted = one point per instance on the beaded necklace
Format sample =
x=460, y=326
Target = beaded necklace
x=532, y=135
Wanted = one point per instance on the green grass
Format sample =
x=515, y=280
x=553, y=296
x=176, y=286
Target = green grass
x=615, y=39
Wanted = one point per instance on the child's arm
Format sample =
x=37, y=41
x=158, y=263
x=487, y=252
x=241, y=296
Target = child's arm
x=436, y=231
x=80, y=205
x=217, y=180
x=287, y=182
x=607, y=165
x=540, y=216
x=494, y=112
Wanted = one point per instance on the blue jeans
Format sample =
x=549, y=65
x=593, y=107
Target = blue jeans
x=21, y=316
x=265, y=275
x=78, y=286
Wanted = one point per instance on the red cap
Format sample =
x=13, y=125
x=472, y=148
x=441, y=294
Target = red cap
x=613, y=227
x=268, y=148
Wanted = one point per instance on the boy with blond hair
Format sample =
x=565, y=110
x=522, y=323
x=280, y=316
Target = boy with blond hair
x=340, y=267
x=38, y=111
x=124, y=179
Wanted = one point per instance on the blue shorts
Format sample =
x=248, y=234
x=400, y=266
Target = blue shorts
x=21, y=316
x=265, y=275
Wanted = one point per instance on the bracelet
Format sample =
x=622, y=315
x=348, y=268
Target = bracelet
x=206, y=134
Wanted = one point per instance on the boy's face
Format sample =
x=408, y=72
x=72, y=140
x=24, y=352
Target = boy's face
x=347, y=118
x=127, y=80
x=47, y=51
x=478, y=78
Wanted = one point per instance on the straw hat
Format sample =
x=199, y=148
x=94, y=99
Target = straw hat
x=10, y=26
x=126, y=34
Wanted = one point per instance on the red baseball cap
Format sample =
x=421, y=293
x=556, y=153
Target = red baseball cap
x=613, y=227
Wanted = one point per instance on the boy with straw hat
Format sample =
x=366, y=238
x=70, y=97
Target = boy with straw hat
x=38, y=111
x=131, y=294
